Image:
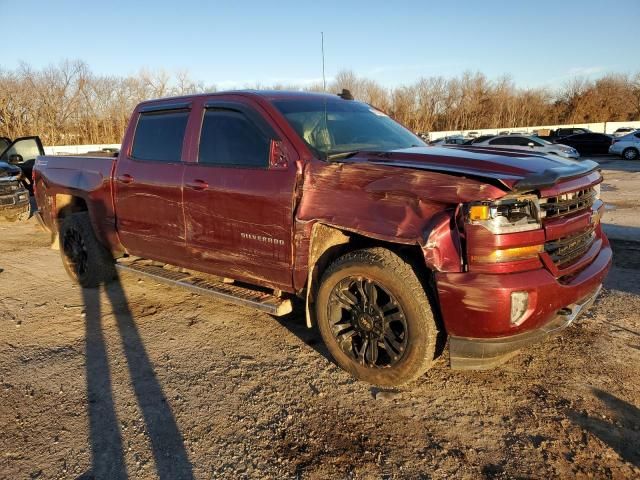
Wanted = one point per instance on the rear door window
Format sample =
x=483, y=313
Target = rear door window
x=159, y=136
x=229, y=138
x=520, y=141
x=502, y=141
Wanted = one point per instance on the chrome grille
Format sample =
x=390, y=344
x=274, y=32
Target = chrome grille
x=567, y=203
x=7, y=188
x=566, y=250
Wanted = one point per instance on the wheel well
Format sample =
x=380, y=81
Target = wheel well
x=328, y=243
x=68, y=204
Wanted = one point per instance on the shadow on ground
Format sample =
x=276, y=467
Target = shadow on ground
x=296, y=323
x=619, y=431
x=107, y=455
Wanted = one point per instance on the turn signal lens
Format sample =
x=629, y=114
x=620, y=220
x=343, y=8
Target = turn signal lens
x=479, y=212
x=509, y=254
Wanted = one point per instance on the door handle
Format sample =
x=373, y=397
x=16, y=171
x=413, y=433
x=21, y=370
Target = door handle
x=125, y=178
x=198, y=185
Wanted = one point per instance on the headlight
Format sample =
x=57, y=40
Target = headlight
x=507, y=215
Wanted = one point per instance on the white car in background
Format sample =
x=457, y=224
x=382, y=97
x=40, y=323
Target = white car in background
x=622, y=131
x=628, y=147
x=531, y=144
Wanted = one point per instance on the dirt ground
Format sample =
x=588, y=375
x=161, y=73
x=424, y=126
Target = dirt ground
x=147, y=381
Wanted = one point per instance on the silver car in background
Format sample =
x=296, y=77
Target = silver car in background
x=532, y=144
x=628, y=147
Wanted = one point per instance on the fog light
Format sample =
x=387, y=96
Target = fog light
x=519, y=304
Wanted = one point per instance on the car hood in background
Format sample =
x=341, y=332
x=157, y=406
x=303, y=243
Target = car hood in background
x=515, y=169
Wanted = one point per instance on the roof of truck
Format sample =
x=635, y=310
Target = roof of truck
x=268, y=94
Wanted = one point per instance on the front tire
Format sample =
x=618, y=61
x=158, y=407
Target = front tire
x=85, y=259
x=630, y=153
x=375, y=318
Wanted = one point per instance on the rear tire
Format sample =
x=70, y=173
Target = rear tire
x=85, y=259
x=630, y=153
x=375, y=318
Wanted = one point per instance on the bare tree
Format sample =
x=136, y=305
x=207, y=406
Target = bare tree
x=67, y=104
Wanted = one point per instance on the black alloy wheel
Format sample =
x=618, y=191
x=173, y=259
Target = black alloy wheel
x=368, y=322
x=76, y=252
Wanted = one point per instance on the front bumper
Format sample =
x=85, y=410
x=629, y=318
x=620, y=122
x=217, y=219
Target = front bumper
x=14, y=203
x=476, y=309
x=484, y=353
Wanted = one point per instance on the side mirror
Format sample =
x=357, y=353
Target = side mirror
x=278, y=159
x=531, y=144
x=15, y=158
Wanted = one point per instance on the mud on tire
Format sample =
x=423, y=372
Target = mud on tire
x=84, y=258
x=375, y=318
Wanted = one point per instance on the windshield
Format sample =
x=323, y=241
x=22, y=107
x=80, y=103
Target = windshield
x=336, y=126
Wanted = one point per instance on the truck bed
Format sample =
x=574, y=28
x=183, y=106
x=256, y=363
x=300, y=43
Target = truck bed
x=87, y=177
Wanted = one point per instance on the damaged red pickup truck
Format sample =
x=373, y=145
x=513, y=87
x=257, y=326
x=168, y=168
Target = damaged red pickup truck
x=256, y=197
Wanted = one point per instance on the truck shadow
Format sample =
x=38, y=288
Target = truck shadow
x=296, y=323
x=170, y=456
x=619, y=432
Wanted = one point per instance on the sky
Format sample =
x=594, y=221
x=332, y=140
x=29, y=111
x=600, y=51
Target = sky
x=237, y=43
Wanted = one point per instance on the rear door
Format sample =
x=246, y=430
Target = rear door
x=148, y=184
x=239, y=208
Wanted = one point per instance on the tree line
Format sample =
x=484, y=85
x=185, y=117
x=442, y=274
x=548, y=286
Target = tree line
x=69, y=104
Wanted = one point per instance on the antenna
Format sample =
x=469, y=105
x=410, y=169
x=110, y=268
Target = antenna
x=324, y=81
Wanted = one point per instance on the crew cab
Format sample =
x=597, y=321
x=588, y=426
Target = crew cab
x=258, y=196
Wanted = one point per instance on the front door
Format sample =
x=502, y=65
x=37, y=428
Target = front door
x=238, y=210
x=148, y=185
x=22, y=152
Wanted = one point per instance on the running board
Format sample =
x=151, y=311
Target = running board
x=264, y=301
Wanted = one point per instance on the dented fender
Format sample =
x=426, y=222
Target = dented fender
x=389, y=203
x=392, y=204
x=395, y=205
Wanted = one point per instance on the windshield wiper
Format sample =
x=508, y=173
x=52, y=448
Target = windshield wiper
x=342, y=155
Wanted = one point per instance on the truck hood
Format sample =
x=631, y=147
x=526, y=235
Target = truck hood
x=7, y=170
x=514, y=169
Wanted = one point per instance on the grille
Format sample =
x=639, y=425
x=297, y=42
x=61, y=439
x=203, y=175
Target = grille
x=567, y=203
x=7, y=188
x=567, y=250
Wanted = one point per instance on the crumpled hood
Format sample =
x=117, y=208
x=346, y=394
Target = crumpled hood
x=7, y=170
x=515, y=169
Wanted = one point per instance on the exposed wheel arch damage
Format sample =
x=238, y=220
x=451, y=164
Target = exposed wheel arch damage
x=438, y=250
